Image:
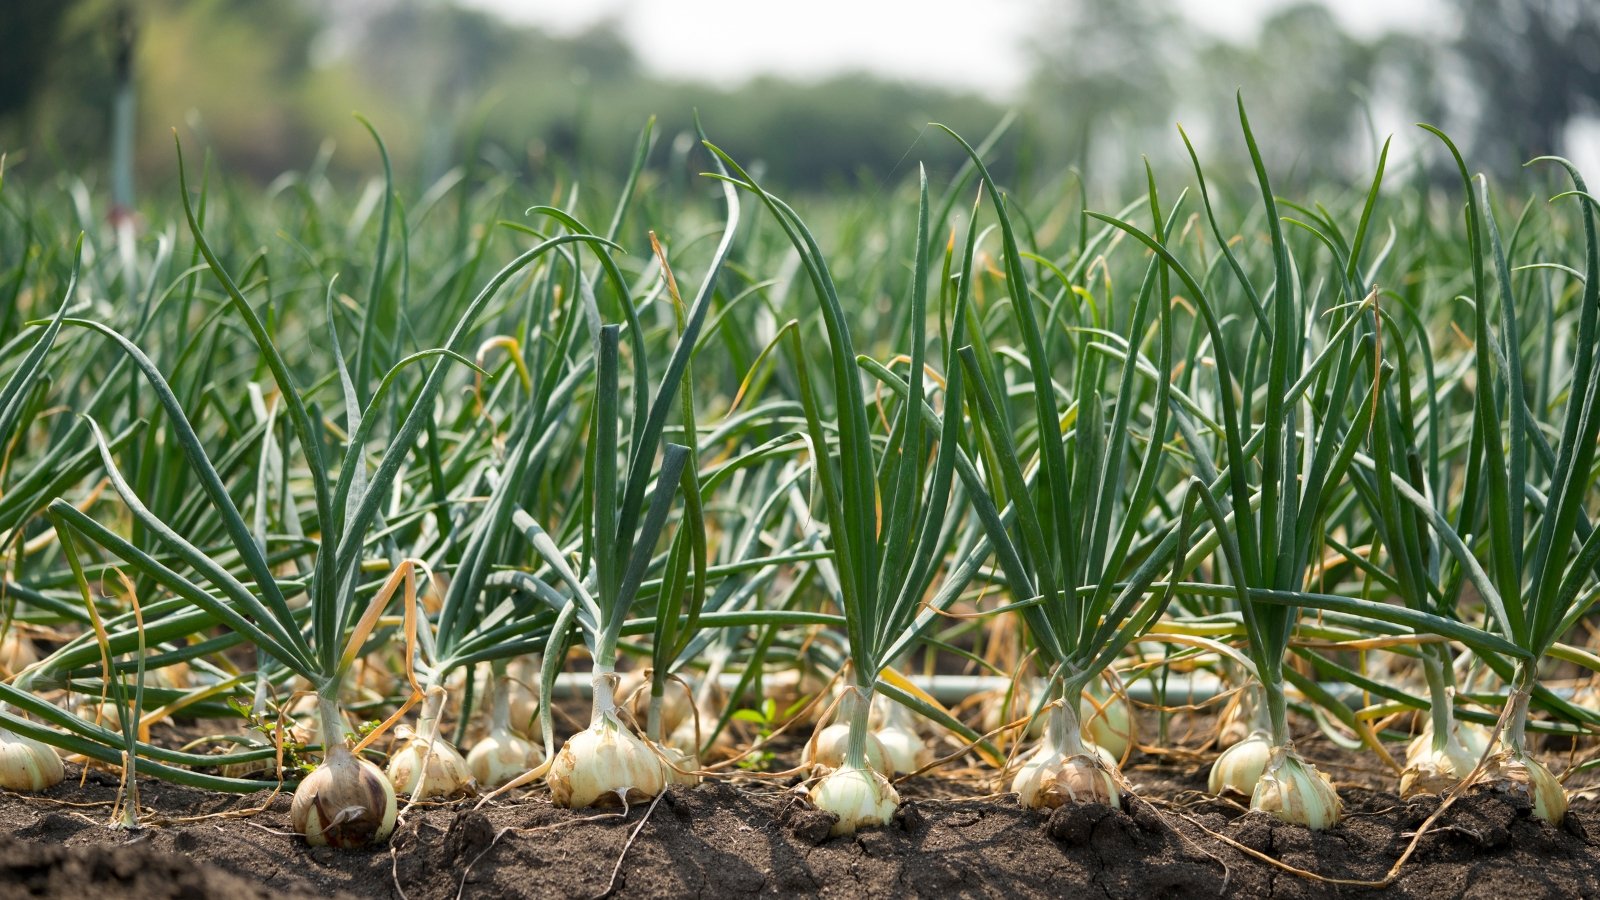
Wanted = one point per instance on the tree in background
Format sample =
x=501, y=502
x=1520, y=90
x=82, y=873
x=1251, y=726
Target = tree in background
x=27, y=43
x=1305, y=76
x=265, y=84
x=1105, y=78
x=1535, y=67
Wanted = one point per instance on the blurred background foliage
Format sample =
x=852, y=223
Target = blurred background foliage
x=270, y=86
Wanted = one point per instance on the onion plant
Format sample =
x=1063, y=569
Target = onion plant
x=885, y=563
x=609, y=762
x=1269, y=530
x=1074, y=524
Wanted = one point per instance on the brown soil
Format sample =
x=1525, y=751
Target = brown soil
x=749, y=836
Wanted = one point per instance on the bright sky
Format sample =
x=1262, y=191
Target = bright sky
x=958, y=43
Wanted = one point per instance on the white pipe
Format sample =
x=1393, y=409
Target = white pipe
x=1181, y=688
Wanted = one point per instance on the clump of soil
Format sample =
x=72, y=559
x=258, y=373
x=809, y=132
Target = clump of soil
x=757, y=837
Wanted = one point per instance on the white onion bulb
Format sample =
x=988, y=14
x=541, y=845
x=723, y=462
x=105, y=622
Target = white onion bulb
x=1292, y=790
x=904, y=750
x=1049, y=779
x=426, y=766
x=16, y=653
x=603, y=764
x=1239, y=768
x=522, y=672
x=1433, y=771
x=860, y=797
x=1064, y=768
x=1108, y=722
x=426, y=769
x=500, y=756
x=27, y=764
x=826, y=751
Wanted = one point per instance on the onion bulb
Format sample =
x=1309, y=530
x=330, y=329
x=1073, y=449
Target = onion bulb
x=522, y=672
x=426, y=766
x=426, y=769
x=605, y=763
x=502, y=754
x=1292, y=790
x=1515, y=772
x=1064, y=769
x=27, y=764
x=1432, y=769
x=1108, y=722
x=826, y=750
x=346, y=802
x=859, y=796
x=1049, y=779
x=678, y=766
x=16, y=653
x=903, y=748
x=1239, y=768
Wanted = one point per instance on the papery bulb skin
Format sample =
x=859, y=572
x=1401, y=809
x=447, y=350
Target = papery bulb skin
x=1064, y=769
x=1050, y=778
x=1108, y=723
x=859, y=796
x=601, y=765
x=678, y=766
x=346, y=803
x=500, y=756
x=1519, y=774
x=1292, y=790
x=826, y=751
x=16, y=653
x=1431, y=770
x=425, y=769
x=1239, y=768
x=27, y=764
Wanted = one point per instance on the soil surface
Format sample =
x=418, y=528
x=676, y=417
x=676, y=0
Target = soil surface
x=754, y=836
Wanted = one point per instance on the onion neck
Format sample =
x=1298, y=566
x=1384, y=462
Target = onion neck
x=1517, y=720
x=1441, y=694
x=1063, y=732
x=605, y=703
x=1277, y=714
x=333, y=739
x=855, y=707
x=499, y=700
x=652, y=727
x=432, y=708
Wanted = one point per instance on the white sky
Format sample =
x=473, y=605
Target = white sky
x=958, y=43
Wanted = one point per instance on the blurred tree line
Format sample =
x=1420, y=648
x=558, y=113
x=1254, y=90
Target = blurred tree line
x=265, y=84
x=1506, y=78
